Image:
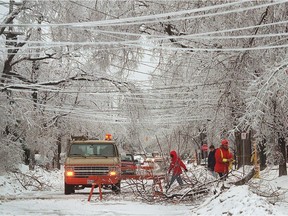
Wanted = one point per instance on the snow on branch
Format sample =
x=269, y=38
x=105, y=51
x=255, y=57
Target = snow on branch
x=12, y=16
x=267, y=88
x=82, y=77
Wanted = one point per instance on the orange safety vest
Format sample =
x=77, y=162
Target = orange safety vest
x=221, y=166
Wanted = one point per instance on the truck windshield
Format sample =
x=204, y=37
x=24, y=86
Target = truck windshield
x=104, y=150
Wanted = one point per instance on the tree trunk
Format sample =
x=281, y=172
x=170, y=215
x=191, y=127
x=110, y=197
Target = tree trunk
x=243, y=145
x=26, y=154
x=262, y=155
x=58, y=152
x=282, y=165
x=32, y=160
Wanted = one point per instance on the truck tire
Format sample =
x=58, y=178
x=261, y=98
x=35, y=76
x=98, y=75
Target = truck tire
x=116, y=188
x=68, y=189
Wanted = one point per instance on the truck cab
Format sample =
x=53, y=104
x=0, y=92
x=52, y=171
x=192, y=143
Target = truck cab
x=92, y=160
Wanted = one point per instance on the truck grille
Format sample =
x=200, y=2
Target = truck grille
x=85, y=171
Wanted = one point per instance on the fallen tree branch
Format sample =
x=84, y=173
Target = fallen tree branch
x=32, y=180
x=246, y=178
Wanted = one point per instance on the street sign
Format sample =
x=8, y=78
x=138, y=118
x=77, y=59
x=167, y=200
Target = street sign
x=243, y=136
x=204, y=147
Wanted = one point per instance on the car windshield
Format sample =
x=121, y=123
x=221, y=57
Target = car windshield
x=99, y=149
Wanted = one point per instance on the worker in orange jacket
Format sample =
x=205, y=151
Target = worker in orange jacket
x=223, y=159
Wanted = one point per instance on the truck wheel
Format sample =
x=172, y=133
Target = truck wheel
x=116, y=188
x=68, y=189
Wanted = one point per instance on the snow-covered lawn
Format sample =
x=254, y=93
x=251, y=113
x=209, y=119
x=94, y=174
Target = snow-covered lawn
x=238, y=200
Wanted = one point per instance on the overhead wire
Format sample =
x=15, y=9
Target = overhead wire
x=158, y=91
x=135, y=43
x=130, y=20
x=50, y=88
x=80, y=113
x=127, y=42
x=156, y=17
x=221, y=50
x=134, y=95
x=192, y=36
x=98, y=114
x=156, y=20
x=188, y=36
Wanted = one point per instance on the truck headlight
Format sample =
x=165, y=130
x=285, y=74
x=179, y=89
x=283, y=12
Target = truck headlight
x=70, y=173
x=112, y=173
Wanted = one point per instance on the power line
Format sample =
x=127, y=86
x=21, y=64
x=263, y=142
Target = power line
x=122, y=21
x=135, y=43
x=191, y=36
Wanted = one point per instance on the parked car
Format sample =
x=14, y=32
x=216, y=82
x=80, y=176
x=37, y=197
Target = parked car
x=128, y=164
x=140, y=158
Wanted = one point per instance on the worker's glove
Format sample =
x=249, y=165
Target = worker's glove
x=186, y=170
x=225, y=160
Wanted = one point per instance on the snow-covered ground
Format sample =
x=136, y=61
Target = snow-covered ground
x=50, y=200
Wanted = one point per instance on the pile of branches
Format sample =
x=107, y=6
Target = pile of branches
x=31, y=180
x=197, y=185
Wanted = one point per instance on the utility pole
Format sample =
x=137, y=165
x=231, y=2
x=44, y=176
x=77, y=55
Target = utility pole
x=36, y=64
x=11, y=36
x=243, y=138
x=11, y=42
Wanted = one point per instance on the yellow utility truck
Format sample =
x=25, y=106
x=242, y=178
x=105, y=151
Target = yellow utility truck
x=92, y=161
